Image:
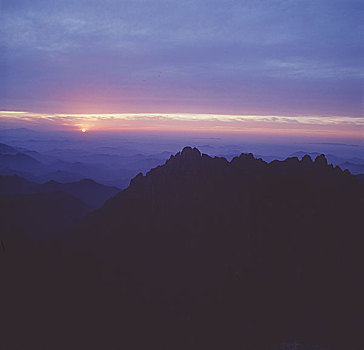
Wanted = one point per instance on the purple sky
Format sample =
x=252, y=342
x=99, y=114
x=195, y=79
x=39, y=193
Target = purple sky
x=285, y=58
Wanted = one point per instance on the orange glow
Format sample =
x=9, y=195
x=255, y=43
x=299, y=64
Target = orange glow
x=83, y=130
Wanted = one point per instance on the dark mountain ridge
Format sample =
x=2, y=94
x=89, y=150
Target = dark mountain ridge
x=203, y=253
x=266, y=250
x=354, y=164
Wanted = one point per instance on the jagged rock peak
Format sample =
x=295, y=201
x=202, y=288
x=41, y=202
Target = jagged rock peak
x=321, y=160
x=189, y=153
x=249, y=156
x=306, y=159
x=136, y=179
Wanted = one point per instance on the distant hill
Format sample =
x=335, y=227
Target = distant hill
x=72, y=165
x=21, y=162
x=5, y=149
x=90, y=192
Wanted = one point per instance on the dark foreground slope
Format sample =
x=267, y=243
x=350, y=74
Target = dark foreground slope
x=202, y=253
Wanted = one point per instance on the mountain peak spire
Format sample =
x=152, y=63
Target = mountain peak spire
x=189, y=153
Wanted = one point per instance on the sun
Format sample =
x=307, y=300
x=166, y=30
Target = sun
x=83, y=130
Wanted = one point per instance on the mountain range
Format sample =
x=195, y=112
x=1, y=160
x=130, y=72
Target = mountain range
x=105, y=165
x=63, y=158
x=45, y=210
x=90, y=192
x=201, y=253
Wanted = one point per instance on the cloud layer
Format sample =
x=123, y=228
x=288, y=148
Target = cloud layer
x=255, y=126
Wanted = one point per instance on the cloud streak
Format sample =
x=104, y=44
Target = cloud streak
x=333, y=127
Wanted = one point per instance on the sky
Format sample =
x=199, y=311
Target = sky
x=264, y=65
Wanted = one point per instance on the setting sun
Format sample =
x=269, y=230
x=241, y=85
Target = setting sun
x=83, y=130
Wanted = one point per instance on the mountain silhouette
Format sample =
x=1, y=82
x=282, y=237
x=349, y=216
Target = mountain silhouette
x=71, y=165
x=39, y=215
x=273, y=248
x=6, y=149
x=203, y=253
x=354, y=164
x=87, y=190
x=21, y=162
